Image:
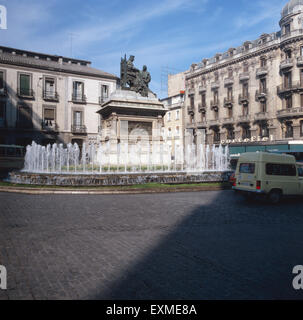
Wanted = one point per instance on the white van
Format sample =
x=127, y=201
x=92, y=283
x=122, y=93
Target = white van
x=268, y=174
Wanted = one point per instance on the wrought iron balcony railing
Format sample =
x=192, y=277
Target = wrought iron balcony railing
x=79, y=129
x=261, y=95
x=228, y=102
x=49, y=125
x=50, y=95
x=79, y=98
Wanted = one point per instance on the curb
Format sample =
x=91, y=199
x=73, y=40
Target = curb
x=30, y=191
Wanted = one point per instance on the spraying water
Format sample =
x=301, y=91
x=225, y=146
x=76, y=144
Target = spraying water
x=124, y=157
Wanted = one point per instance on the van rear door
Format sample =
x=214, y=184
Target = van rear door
x=247, y=175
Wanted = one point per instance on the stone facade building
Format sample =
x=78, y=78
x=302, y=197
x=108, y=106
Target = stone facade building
x=48, y=98
x=253, y=93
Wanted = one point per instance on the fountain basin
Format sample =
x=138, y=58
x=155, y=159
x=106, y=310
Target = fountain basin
x=115, y=179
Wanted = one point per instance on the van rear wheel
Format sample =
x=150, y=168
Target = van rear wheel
x=275, y=196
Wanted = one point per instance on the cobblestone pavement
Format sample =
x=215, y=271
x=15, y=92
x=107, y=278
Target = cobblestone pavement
x=206, y=245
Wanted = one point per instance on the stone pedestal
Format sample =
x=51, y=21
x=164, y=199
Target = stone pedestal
x=134, y=122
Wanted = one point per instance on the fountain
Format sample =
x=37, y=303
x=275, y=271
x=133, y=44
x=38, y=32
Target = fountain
x=127, y=164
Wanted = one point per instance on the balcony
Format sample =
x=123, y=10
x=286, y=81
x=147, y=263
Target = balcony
x=244, y=119
x=261, y=95
x=26, y=93
x=286, y=64
x=291, y=34
x=3, y=92
x=202, y=108
x=191, y=91
x=244, y=99
x=300, y=61
x=214, y=122
x=214, y=104
x=228, y=81
x=202, y=124
x=289, y=88
x=191, y=110
x=50, y=96
x=261, y=116
x=261, y=72
x=202, y=88
x=244, y=76
x=49, y=125
x=228, y=121
x=79, y=98
x=77, y=129
x=215, y=85
x=290, y=113
x=228, y=102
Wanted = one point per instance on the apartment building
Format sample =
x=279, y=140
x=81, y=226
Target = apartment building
x=49, y=98
x=252, y=93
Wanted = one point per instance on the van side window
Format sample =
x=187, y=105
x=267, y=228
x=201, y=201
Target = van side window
x=247, y=168
x=300, y=172
x=275, y=169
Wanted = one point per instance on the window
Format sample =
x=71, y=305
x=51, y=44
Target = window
x=216, y=96
x=203, y=100
x=275, y=169
x=245, y=67
x=216, y=114
x=192, y=102
x=288, y=102
x=301, y=100
x=245, y=90
x=263, y=85
x=230, y=73
x=104, y=92
x=263, y=62
x=287, y=29
x=49, y=119
x=230, y=112
x=229, y=93
x=245, y=110
x=230, y=134
x=2, y=79
x=289, y=133
x=25, y=85
x=25, y=116
x=2, y=113
x=263, y=106
x=288, y=54
x=177, y=131
x=168, y=116
x=216, y=76
x=301, y=50
x=301, y=77
x=300, y=172
x=264, y=131
x=78, y=90
x=169, y=132
x=177, y=114
x=301, y=128
x=287, y=80
x=247, y=168
x=246, y=133
x=49, y=88
x=216, y=136
x=78, y=118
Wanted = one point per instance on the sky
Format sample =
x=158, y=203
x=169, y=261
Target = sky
x=161, y=34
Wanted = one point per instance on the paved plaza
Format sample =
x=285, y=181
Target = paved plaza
x=205, y=245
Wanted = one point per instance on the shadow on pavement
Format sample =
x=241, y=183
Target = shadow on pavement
x=229, y=249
